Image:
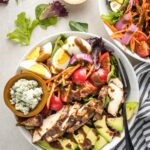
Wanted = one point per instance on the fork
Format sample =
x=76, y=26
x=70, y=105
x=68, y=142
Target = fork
x=126, y=85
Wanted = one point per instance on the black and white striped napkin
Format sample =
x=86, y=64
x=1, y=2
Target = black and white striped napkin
x=140, y=131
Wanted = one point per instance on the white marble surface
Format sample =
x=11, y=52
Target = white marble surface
x=10, y=55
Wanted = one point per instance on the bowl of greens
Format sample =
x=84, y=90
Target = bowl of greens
x=83, y=85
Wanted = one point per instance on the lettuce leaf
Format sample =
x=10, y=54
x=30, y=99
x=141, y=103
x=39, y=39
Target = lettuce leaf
x=113, y=17
x=44, y=145
x=45, y=22
x=23, y=31
x=113, y=68
x=60, y=41
x=78, y=26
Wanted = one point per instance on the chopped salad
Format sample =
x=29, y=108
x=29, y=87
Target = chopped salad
x=129, y=21
x=83, y=109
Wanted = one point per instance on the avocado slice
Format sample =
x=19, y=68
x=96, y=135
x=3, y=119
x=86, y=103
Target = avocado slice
x=79, y=138
x=120, y=1
x=44, y=145
x=67, y=144
x=86, y=129
x=116, y=123
x=131, y=108
x=103, y=130
x=92, y=136
x=100, y=143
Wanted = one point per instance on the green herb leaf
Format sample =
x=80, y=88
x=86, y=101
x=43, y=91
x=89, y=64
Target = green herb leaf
x=113, y=17
x=107, y=100
x=44, y=145
x=113, y=68
x=29, y=127
x=46, y=22
x=87, y=99
x=23, y=31
x=78, y=26
x=60, y=41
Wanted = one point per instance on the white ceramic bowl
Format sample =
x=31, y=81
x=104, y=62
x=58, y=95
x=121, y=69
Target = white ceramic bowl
x=134, y=94
x=103, y=9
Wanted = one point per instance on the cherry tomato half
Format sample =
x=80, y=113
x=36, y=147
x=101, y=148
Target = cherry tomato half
x=104, y=60
x=142, y=49
x=55, y=103
x=79, y=76
x=99, y=77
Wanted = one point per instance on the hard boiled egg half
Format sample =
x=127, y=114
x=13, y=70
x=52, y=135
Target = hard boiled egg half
x=37, y=68
x=74, y=45
x=40, y=53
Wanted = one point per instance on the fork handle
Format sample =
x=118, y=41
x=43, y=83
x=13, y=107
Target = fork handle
x=129, y=145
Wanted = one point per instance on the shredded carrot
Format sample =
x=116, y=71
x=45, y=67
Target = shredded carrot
x=90, y=71
x=67, y=71
x=63, y=80
x=121, y=31
x=68, y=92
x=136, y=40
x=111, y=27
x=72, y=71
x=117, y=36
x=50, y=95
x=132, y=45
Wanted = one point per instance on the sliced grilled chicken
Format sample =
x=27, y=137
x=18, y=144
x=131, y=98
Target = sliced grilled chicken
x=49, y=123
x=100, y=106
x=35, y=121
x=103, y=93
x=115, y=91
x=61, y=127
x=85, y=113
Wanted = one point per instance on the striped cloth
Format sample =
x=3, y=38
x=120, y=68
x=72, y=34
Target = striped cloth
x=140, y=131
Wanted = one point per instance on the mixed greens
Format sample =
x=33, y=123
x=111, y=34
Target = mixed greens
x=46, y=15
x=85, y=94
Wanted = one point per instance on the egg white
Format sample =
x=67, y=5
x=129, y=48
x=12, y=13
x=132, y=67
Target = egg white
x=72, y=48
x=56, y=57
x=27, y=64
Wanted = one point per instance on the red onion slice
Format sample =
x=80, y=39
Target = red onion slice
x=121, y=24
x=73, y=59
x=128, y=35
x=81, y=56
x=85, y=57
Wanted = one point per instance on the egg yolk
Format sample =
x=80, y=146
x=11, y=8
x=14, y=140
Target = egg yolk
x=62, y=57
x=33, y=54
x=39, y=69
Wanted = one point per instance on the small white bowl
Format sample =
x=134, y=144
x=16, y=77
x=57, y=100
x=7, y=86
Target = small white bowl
x=134, y=94
x=103, y=9
x=75, y=2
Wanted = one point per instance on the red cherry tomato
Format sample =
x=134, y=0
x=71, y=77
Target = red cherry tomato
x=142, y=49
x=104, y=60
x=79, y=76
x=55, y=103
x=99, y=77
x=141, y=36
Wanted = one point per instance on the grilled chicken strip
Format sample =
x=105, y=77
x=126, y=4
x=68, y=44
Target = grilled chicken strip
x=49, y=123
x=62, y=125
x=85, y=113
x=101, y=97
x=35, y=121
x=115, y=91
